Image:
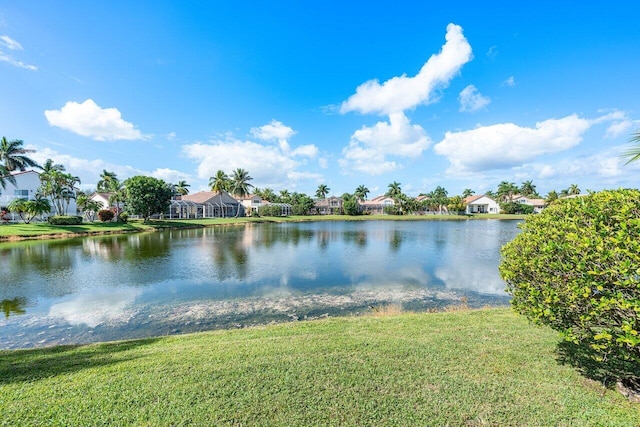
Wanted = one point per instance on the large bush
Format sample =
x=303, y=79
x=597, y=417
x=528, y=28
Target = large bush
x=106, y=215
x=576, y=268
x=65, y=220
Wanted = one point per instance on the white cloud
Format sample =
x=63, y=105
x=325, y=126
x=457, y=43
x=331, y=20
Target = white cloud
x=402, y=93
x=511, y=82
x=170, y=176
x=88, y=119
x=10, y=44
x=492, y=52
x=270, y=165
x=507, y=145
x=618, y=128
x=7, y=42
x=273, y=131
x=471, y=100
x=369, y=147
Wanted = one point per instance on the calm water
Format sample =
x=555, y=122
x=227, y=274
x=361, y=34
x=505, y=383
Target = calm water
x=115, y=287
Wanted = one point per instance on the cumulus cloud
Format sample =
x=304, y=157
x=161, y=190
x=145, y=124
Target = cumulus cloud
x=273, y=131
x=7, y=43
x=471, y=100
x=369, y=147
x=618, y=128
x=507, y=144
x=90, y=120
x=402, y=93
x=269, y=164
x=170, y=176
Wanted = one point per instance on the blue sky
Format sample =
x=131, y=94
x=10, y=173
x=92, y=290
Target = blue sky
x=338, y=93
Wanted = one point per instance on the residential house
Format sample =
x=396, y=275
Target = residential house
x=205, y=204
x=538, y=204
x=25, y=187
x=251, y=203
x=330, y=206
x=481, y=204
x=376, y=205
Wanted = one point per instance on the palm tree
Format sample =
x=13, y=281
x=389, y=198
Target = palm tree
x=573, y=190
x=182, y=188
x=439, y=196
x=12, y=155
x=633, y=154
x=219, y=183
x=551, y=196
x=506, y=190
x=5, y=176
x=467, y=193
x=322, y=191
x=49, y=166
x=528, y=189
x=285, y=196
x=394, y=191
x=361, y=192
x=106, y=179
x=240, y=184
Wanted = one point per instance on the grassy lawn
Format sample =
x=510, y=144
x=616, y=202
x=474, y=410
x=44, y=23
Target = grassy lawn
x=464, y=368
x=45, y=230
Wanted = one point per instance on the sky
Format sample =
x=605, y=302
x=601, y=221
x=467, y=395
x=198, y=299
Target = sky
x=301, y=93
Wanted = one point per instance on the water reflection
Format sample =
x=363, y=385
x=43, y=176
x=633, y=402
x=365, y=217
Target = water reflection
x=113, y=287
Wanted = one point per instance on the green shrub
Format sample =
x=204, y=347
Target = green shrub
x=576, y=268
x=270, y=210
x=124, y=217
x=65, y=220
x=105, y=215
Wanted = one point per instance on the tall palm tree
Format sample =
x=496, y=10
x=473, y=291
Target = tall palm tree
x=182, y=188
x=106, y=180
x=528, y=189
x=394, y=190
x=633, y=154
x=219, y=183
x=285, y=196
x=5, y=176
x=240, y=184
x=361, y=192
x=573, y=190
x=322, y=191
x=467, y=192
x=49, y=165
x=551, y=196
x=12, y=155
x=506, y=190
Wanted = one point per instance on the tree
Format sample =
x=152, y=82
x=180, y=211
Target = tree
x=182, y=188
x=5, y=176
x=456, y=204
x=285, y=196
x=219, y=183
x=12, y=155
x=240, y=185
x=633, y=154
x=573, y=190
x=574, y=267
x=49, y=166
x=106, y=181
x=467, y=193
x=528, y=189
x=350, y=205
x=60, y=187
x=394, y=190
x=147, y=196
x=551, y=196
x=439, y=198
x=361, y=193
x=322, y=191
x=29, y=209
x=506, y=191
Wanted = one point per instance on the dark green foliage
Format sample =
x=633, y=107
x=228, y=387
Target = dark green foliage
x=105, y=215
x=65, y=220
x=576, y=268
x=271, y=210
x=351, y=206
x=147, y=196
x=124, y=217
x=515, y=208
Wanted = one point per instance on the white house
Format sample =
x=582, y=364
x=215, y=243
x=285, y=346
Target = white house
x=538, y=204
x=205, y=204
x=251, y=202
x=25, y=187
x=481, y=204
x=376, y=205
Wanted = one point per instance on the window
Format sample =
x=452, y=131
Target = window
x=21, y=193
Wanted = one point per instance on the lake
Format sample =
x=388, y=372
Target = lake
x=140, y=285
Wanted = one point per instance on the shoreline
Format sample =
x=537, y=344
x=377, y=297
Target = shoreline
x=178, y=224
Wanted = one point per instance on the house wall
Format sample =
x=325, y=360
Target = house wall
x=27, y=181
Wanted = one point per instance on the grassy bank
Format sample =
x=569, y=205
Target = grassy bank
x=463, y=368
x=12, y=232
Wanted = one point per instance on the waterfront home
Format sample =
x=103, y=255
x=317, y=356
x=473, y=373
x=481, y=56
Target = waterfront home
x=481, y=204
x=538, y=204
x=205, y=204
x=330, y=206
x=376, y=205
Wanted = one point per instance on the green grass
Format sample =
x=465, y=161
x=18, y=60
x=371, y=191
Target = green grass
x=464, y=368
x=45, y=230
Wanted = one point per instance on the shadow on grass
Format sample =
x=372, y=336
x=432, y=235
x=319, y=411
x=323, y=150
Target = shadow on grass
x=35, y=364
x=608, y=372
